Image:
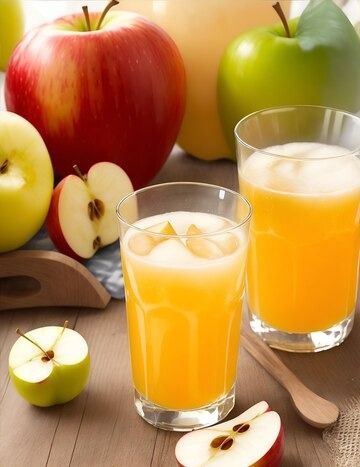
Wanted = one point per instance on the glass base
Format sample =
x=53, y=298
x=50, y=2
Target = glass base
x=302, y=342
x=184, y=420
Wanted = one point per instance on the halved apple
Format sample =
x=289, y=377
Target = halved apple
x=82, y=216
x=49, y=365
x=254, y=438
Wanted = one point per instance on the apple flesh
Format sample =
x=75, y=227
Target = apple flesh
x=82, y=215
x=114, y=94
x=45, y=381
x=26, y=181
x=254, y=438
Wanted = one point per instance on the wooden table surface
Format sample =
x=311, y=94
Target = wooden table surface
x=101, y=427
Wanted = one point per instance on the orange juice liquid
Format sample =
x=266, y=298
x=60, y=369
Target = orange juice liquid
x=184, y=316
x=304, y=238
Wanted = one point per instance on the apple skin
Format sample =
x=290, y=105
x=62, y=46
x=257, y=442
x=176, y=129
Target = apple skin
x=69, y=224
x=11, y=28
x=263, y=68
x=52, y=382
x=194, y=448
x=274, y=456
x=53, y=224
x=117, y=94
x=47, y=392
x=26, y=186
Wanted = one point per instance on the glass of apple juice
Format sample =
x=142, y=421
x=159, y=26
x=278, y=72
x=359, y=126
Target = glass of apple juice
x=183, y=257
x=300, y=169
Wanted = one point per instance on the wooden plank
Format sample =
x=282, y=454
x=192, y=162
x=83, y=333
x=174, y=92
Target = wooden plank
x=111, y=432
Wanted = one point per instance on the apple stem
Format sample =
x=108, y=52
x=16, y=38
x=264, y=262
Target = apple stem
x=280, y=12
x=104, y=13
x=85, y=9
x=48, y=355
x=79, y=173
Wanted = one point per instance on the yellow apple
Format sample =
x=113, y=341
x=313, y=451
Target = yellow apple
x=202, y=29
x=49, y=365
x=26, y=181
x=11, y=28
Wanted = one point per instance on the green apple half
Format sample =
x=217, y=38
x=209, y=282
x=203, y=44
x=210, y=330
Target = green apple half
x=26, y=181
x=54, y=375
x=11, y=28
x=318, y=64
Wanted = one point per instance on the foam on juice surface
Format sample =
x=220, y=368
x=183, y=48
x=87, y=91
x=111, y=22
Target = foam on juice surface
x=173, y=251
x=304, y=168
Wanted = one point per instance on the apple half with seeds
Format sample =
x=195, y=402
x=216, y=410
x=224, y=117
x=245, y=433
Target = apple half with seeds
x=49, y=365
x=82, y=214
x=254, y=438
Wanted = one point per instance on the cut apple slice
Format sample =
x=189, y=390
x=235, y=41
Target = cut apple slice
x=204, y=248
x=82, y=217
x=227, y=242
x=164, y=228
x=142, y=243
x=214, y=247
x=254, y=438
x=193, y=230
x=201, y=247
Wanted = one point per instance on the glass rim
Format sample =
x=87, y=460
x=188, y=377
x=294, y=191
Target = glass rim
x=239, y=140
x=237, y=225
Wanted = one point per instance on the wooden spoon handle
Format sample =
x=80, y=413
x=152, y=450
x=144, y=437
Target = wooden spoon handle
x=269, y=360
x=47, y=278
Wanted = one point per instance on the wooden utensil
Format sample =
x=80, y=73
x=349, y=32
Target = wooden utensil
x=47, y=278
x=312, y=408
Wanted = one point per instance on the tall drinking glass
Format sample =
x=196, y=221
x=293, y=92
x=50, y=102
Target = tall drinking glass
x=183, y=257
x=299, y=167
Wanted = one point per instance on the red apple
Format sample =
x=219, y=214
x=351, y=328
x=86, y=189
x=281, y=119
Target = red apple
x=254, y=438
x=82, y=217
x=116, y=93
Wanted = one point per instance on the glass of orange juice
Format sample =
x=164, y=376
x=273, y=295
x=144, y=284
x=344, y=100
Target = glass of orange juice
x=300, y=169
x=183, y=259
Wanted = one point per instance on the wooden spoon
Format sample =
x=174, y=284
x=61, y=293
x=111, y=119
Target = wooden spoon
x=312, y=408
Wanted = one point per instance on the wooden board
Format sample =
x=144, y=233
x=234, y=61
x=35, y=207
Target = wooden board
x=101, y=427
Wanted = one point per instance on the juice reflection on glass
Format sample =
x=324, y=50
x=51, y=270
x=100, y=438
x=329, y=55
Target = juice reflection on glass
x=299, y=167
x=184, y=292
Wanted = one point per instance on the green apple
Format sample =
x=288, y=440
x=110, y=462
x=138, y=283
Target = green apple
x=11, y=28
x=49, y=365
x=318, y=63
x=26, y=181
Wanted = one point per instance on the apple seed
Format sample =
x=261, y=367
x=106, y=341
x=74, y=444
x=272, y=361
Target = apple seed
x=49, y=355
x=96, y=209
x=97, y=243
x=241, y=428
x=4, y=166
x=222, y=442
x=99, y=208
